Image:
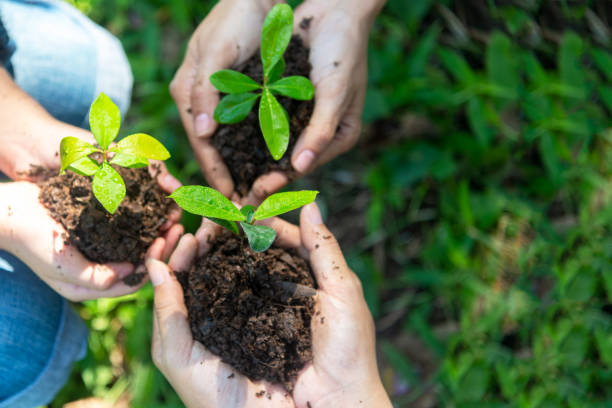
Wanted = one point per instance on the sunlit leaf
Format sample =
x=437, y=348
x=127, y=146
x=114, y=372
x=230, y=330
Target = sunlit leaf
x=229, y=225
x=275, y=36
x=260, y=237
x=296, y=87
x=233, y=82
x=73, y=149
x=142, y=145
x=85, y=167
x=129, y=161
x=274, y=125
x=104, y=120
x=207, y=202
x=108, y=187
x=281, y=203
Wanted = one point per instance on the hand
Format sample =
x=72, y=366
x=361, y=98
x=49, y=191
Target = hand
x=336, y=31
x=343, y=372
x=227, y=37
x=28, y=231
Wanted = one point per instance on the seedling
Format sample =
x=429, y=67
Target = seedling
x=133, y=151
x=209, y=203
x=243, y=91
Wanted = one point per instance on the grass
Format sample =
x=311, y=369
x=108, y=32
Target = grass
x=476, y=208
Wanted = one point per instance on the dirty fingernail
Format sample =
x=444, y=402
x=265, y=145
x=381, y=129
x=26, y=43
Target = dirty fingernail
x=313, y=214
x=304, y=160
x=202, y=124
x=158, y=271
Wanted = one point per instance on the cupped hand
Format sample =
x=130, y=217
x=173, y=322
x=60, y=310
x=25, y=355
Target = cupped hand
x=343, y=372
x=227, y=37
x=40, y=242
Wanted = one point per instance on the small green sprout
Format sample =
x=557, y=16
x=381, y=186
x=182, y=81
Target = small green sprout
x=243, y=91
x=209, y=203
x=133, y=151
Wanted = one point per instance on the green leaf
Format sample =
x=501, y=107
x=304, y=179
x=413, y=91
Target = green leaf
x=296, y=87
x=233, y=82
x=260, y=237
x=248, y=211
x=85, y=167
x=502, y=68
x=456, y=65
x=229, y=225
x=104, y=120
x=277, y=72
x=281, y=203
x=129, y=161
x=207, y=202
x=108, y=187
x=73, y=149
x=274, y=124
x=570, y=54
x=275, y=36
x=234, y=108
x=603, y=61
x=142, y=145
x=478, y=122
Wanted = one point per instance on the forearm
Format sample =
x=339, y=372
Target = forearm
x=6, y=212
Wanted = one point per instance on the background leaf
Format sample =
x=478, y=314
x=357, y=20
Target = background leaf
x=281, y=203
x=142, y=145
x=108, y=187
x=274, y=125
x=260, y=237
x=233, y=82
x=275, y=36
x=73, y=149
x=207, y=202
x=234, y=108
x=296, y=87
x=104, y=120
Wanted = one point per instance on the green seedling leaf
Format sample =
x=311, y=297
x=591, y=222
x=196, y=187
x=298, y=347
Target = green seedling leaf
x=108, y=187
x=275, y=36
x=260, y=237
x=233, y=82
x=274, y=124
x=296, y=87
x=248, y=211
x=84, y=167
x=234, y=108
x=104, y=120
x=230, y=225
x=281, y=203
x=207, y=202
x=277, y=72
x=129, y=161
x=142, y=145
x=73, y=149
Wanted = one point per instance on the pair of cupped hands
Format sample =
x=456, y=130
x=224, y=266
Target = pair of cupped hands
x=344, y=371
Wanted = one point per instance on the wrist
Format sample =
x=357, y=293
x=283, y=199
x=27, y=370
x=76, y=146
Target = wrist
x=370, y=393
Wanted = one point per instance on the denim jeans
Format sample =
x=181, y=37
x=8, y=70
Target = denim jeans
x=63, y=60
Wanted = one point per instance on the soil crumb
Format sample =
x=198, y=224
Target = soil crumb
x=240, y=311
x=242, y=145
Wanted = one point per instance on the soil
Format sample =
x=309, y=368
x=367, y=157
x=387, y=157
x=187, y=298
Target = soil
x=242, y=145
x=240, y=309
x=122, y=237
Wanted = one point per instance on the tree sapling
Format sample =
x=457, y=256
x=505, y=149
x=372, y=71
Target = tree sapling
x=243, y=91
x=133, y=151
x=209, y=203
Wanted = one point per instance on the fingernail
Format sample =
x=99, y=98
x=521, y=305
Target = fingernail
x=304, y=160
x=171, y=183
x=313, y=214
x=201, y=125
x=157, y=271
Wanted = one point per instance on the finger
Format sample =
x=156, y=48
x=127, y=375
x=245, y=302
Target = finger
x=172, y=238
x=287, y=234
x=330, y=99
x=185, y=253
x=206, y=234
x=174, y=217
x=326, y=259
x=170, y=313
x=210, y=161
x=78, y=293
x=166, y=181
x=264, y=186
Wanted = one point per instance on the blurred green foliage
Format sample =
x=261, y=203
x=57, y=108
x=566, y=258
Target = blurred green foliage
x=485, y=167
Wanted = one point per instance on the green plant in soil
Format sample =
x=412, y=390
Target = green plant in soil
x=209, y=203
x=243, y=92
x=133, y=151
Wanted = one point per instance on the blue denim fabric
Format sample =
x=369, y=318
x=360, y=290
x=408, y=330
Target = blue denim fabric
x=64, y=61
x=7, y=47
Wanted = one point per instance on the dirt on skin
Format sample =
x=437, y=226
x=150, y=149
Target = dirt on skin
x=240, y=309
x=242, y=145
x=122, y=237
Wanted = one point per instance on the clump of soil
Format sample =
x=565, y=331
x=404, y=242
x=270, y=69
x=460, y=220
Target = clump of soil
x=122, y=237
x=242, y=145
x=240, y=309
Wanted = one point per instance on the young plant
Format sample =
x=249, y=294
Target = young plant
x=243, y=91
x=133, y=151
x=209, y=203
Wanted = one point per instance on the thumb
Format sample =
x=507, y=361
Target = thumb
x=326, y=259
